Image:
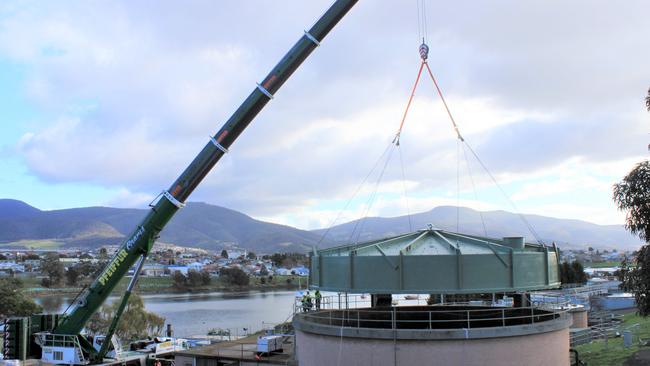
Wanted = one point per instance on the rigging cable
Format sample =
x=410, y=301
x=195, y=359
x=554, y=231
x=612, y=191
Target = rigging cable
x=471, y=179
x=457, y=186
x=424, y=50
x=512, y=203
x=406, y=197
x=417, y=3
x=460, y=137
x=371, y=200
x=363, y=182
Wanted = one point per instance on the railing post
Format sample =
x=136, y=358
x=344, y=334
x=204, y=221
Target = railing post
x=358, y=320
x=330, y=316
x=532, y=315
x=503, y=317
x=430, y=325
x=468, y=324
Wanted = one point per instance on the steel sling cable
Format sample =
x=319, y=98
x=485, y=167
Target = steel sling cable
x=371, y=200
x=471, y=179
x=396, y=142
x=363, y=182
x=460, y=137
x=406, y=197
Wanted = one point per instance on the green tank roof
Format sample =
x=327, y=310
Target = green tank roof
x=436, y=261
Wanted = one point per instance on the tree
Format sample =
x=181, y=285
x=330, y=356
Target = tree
x=637, y=280
x=264, y=271
x=205, y=278
x=251, y=255
x=102, y=255
x=71, y=276
x=632, y=195
x=566, y=274
x=579, y=272
x=53, y=268
x=194, y=278
x=13, y=302
x=224, y=254
x=234, y=277
x=2, y=257
x=572, y=273
x=623, y=274
x=136, y=322
x=179, y=279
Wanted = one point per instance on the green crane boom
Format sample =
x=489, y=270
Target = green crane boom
x=140, y=241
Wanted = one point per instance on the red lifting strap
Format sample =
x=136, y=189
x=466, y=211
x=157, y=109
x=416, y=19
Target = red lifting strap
x=408, y=105
x=423, y=54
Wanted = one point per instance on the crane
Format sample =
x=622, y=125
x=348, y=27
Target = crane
x=65, y=343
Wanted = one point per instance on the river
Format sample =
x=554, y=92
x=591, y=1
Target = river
x=195, y=314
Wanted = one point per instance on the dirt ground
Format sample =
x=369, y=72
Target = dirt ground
x=640, y=358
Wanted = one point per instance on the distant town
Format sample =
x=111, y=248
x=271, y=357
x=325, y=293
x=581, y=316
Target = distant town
x=175, y=268
x=194, y=268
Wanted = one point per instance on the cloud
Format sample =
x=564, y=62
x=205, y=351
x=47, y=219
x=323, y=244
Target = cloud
x=126, y=199
x=129, y=93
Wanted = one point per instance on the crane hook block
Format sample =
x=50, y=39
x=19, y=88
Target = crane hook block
x=424, y=51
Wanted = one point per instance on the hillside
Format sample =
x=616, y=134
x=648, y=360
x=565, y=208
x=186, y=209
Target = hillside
x=566, y=233
x=212, y=227
x=197, y=225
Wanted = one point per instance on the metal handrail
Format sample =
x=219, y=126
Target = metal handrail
x=348, y=318
x=362, y=302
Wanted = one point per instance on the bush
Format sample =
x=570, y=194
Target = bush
x=205, y=278
x=13, y=302
x=194, y=278
x=179, y=279
x=235, y=277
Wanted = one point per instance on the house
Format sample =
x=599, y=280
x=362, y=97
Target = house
x=235, y=253
x=283, y=272
x=300, y=271
x=181, y=269
x=11, y=267
x=153, y=269
x=195, y=266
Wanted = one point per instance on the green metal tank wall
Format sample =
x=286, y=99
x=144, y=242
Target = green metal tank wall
x=480, y=265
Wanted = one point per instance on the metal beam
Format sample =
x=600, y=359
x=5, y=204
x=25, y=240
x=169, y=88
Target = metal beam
x=489, y=245
x=409, y=246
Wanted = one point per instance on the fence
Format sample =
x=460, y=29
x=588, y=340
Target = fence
x=456, y=316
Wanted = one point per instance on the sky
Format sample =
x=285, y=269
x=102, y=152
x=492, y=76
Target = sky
x=105, y=103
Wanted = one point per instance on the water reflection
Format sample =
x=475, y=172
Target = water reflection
x=201, y=312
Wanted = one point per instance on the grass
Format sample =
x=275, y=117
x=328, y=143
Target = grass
x=46, y=244
x=599, y=353
x=602, y=264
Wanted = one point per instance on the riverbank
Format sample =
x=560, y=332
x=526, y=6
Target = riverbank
x=165, y=285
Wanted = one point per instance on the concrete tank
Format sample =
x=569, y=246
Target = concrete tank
x=350, y=337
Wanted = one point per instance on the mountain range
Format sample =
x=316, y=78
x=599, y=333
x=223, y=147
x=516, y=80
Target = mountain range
x=211, y=227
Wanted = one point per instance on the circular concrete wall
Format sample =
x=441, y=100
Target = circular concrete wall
x=539, y=343
x=580, y=319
